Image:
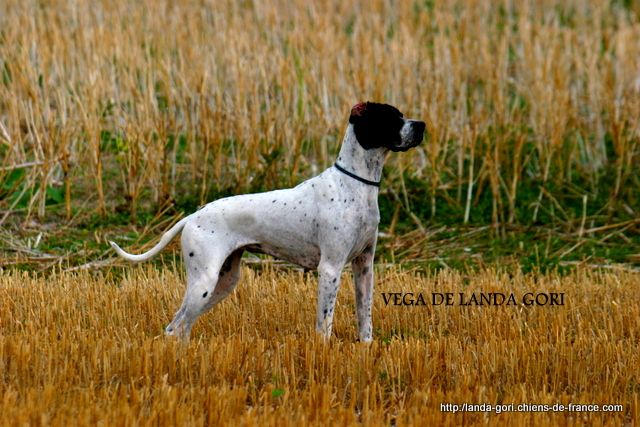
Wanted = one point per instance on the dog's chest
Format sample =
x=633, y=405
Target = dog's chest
x=347, y=222
x=365, y=228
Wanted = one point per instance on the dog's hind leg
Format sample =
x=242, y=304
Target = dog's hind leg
x=227, y=279
x=191, y=307
x=209, y=280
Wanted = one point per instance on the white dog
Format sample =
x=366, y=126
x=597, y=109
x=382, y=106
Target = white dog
x=322, y=223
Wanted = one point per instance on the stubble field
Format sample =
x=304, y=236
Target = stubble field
x=83, y=349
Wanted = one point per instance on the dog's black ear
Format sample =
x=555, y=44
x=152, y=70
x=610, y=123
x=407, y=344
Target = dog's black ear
x=362, y=125
x=358, y=111
x=376, y=125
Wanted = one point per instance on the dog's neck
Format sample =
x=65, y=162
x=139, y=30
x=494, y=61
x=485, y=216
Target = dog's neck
x=366, y=164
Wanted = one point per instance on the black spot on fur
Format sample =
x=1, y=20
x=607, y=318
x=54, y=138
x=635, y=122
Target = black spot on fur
x=205, y=294
x=190, y=253
x=334, y=280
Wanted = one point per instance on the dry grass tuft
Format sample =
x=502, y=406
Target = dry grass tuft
x=84, y=349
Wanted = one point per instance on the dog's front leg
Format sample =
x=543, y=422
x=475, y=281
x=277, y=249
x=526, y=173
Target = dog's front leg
x=328, y=284
x=362, y=267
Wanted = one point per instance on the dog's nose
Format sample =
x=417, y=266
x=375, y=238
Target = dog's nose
x=419, y=127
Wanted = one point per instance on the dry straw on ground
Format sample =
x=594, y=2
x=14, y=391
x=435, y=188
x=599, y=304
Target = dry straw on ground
x=84, y=349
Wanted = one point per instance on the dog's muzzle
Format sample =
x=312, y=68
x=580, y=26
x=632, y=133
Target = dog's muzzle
x=412, y=135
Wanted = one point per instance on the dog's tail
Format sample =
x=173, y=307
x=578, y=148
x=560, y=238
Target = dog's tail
x=164, y=241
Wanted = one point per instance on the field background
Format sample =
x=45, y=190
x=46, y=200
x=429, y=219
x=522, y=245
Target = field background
x=118, y=117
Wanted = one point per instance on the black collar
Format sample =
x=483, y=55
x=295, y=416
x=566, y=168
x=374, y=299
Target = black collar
x=356, y=177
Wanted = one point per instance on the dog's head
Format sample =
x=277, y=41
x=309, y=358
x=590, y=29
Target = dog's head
x=383, y=126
